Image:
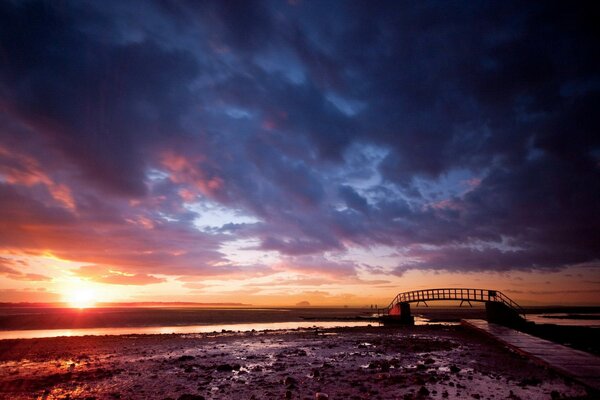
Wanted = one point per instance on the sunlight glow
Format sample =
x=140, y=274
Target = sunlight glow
x=81, y=298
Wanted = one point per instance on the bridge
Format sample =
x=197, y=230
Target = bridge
x=499, y=307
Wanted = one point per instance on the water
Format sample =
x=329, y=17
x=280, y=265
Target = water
x=163, y=330
x=27, y=323
x=566, y=319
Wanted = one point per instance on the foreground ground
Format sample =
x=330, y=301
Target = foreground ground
x=345, y=363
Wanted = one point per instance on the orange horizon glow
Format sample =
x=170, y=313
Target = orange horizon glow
x=80, y=298
x=66, y=282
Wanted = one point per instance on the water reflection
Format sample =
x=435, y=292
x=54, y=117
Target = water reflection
x=151, y=330
x=589, y=319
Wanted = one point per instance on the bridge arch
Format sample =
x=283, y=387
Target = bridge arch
x=498, y=306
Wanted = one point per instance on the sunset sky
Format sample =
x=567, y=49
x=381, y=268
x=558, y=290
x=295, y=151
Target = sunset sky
x=272, y=152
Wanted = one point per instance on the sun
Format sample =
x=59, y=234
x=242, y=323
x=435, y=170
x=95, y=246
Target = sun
x=81, y=298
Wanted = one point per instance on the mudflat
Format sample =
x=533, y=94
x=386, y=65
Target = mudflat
x=415, y=362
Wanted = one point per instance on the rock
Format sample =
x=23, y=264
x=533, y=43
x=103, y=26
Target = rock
x=224, y=368
x=185, y=358
x=385, y=366
x=423, y=391
x=529, y=382
x=289, y=381
x=321, y=396
x=454, y=369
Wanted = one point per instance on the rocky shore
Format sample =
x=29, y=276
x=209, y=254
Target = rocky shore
x=419, y=362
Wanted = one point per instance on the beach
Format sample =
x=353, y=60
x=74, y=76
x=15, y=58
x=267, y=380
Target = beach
x=339, y=363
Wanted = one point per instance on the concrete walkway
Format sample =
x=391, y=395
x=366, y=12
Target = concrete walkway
x=579, y=365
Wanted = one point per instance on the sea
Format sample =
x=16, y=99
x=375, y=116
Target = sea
x=44, y=322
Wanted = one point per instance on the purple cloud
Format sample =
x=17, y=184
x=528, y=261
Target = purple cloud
x=461, y=136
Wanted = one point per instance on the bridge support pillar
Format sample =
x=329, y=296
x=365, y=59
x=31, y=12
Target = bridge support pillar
x=499, y=313
x=400, y=314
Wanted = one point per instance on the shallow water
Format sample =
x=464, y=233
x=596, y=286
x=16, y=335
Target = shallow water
x=153, y=330
x=565, y=319
x=27, y=323
x=189, y=329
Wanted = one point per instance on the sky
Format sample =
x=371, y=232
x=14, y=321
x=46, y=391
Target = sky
x=274, y=152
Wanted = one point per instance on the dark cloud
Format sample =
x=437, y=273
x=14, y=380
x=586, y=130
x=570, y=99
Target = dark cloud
x=462, y=135
x=100, y=103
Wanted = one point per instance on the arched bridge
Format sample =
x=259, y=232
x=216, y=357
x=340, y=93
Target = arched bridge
x=499, y=307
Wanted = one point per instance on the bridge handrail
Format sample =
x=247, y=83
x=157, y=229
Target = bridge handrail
x=466, y=294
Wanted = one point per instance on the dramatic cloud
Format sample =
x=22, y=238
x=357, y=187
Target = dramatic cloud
x=9, y=270
x=245, y=139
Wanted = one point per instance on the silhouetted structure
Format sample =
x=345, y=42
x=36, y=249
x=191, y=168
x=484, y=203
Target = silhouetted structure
x=499, y=307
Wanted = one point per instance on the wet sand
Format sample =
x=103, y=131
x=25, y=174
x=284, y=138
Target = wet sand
x=341, y=363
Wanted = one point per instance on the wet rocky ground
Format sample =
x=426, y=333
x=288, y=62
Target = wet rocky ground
x=420, y=362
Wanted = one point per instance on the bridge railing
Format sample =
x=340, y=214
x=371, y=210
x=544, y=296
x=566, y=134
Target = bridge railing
x=462, y=294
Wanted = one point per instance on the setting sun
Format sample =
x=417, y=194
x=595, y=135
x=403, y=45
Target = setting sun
x=81, y=298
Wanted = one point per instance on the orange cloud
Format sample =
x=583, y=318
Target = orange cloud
x=188, y=171
x=21, y=169
x=30, y=277
x=12, y=273
x=105, y=275
x=30, y=296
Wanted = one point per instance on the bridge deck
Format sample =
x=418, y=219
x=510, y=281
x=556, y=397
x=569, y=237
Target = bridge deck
x=579, y=365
